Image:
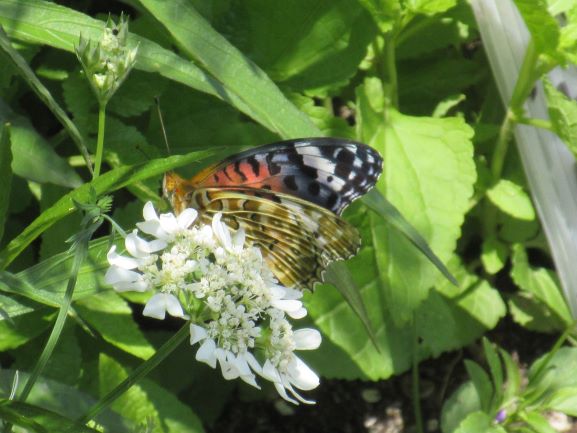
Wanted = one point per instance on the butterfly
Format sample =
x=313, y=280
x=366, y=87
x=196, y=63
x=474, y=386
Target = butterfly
x=288, y=197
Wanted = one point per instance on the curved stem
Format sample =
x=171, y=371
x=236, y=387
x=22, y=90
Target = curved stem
x=100, y=140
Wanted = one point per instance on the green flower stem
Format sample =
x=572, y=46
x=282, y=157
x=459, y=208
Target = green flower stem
x=141, y=371
x=391, y=68
x=80, y=253
x=537, y=123
x=100, y=140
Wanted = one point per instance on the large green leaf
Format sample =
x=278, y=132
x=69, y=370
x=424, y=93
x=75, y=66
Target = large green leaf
x=302, y=44
x=111, y=181
x=42, y=22
x=111, y=317
x=147, y=400
x=230, y=67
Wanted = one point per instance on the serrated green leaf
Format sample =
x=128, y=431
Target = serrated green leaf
x=147, y=400
x=494, y=255
x=563, y=400
x=458, y=406
x=112, y=318
x=543, y=27
x=482, y=383
x=110, y=181
x=541, y=283
x=479, y=422
x=6, y=170
x=230, y=67
x=528, y=311
x=428, y=176
x=430, y=7
x=563, y=115
x=37, y=419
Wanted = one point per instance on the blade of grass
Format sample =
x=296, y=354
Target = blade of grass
x=110, y=181
x=230, y=67
x=6, y=170
x=45, y=96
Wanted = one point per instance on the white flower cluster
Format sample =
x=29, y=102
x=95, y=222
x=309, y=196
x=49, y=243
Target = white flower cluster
x=207, y=275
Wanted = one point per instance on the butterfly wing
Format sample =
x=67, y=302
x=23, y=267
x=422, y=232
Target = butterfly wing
x=330, y=172
x=298, y=239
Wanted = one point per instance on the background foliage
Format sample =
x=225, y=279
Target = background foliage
x=409, y=78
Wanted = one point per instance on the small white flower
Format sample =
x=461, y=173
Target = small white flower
x=160, y=304
x=167, y=225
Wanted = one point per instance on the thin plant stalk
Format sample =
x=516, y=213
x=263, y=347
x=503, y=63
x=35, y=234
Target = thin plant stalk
x=415, y=385
x=100, y=140
x=81, y=251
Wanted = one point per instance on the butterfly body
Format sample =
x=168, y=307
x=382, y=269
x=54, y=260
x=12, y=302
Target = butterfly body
x=287, y=197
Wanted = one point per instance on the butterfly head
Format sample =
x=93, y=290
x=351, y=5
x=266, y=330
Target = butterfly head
x=176, y=190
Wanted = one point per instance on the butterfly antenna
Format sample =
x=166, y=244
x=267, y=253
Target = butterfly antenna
x=162, y=125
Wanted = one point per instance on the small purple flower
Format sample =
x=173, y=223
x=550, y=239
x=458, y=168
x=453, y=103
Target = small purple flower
x=501, y=416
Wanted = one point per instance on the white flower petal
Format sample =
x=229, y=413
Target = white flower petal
x=156, y=307
x=197, y=333
x=289, y=387
x=148, y=212
x=134, y=286
x=121, y=261
x=270, y=372
x=136, y=246
x=252, y=362
x=168, y=223
x=307, y=339
x=301, y=375
x=298, y=314
x=282, y=392
x=287, y=305
x=291, y=293
x=228, y=369
x=115, y=275
x=221, y=231
x=207, y=352
x=173, y=306
x=153, y=228
x=186, y=218
x=238, y=240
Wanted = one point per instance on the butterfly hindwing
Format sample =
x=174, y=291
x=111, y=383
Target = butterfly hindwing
x=330, y=172
x=297, y=238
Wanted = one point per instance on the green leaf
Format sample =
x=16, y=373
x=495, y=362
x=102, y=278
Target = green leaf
x=538, y=422
x=428, y=176
x=147, y=400
x=43, y=22
x=478, y=422
x=430, y=7
x=541, y=284
x=560, y=370
x=563, y=115
x=513, y=375
x=482, y=383
x=110, y=181
x=14, y=306
x=112, y=318
x=442, y=109
x=305, y=45
x=563, y=400
x=6, y=170
x=230, y=67
x=37, y=419
x=510, y=198
x=531, y=313
x=496, y=370
x=462, y=402
x=543, y=27
x=494, y=255
x=23, y=328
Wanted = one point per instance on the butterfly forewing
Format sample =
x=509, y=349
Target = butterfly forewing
x=297, y=238
x=329, y=172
